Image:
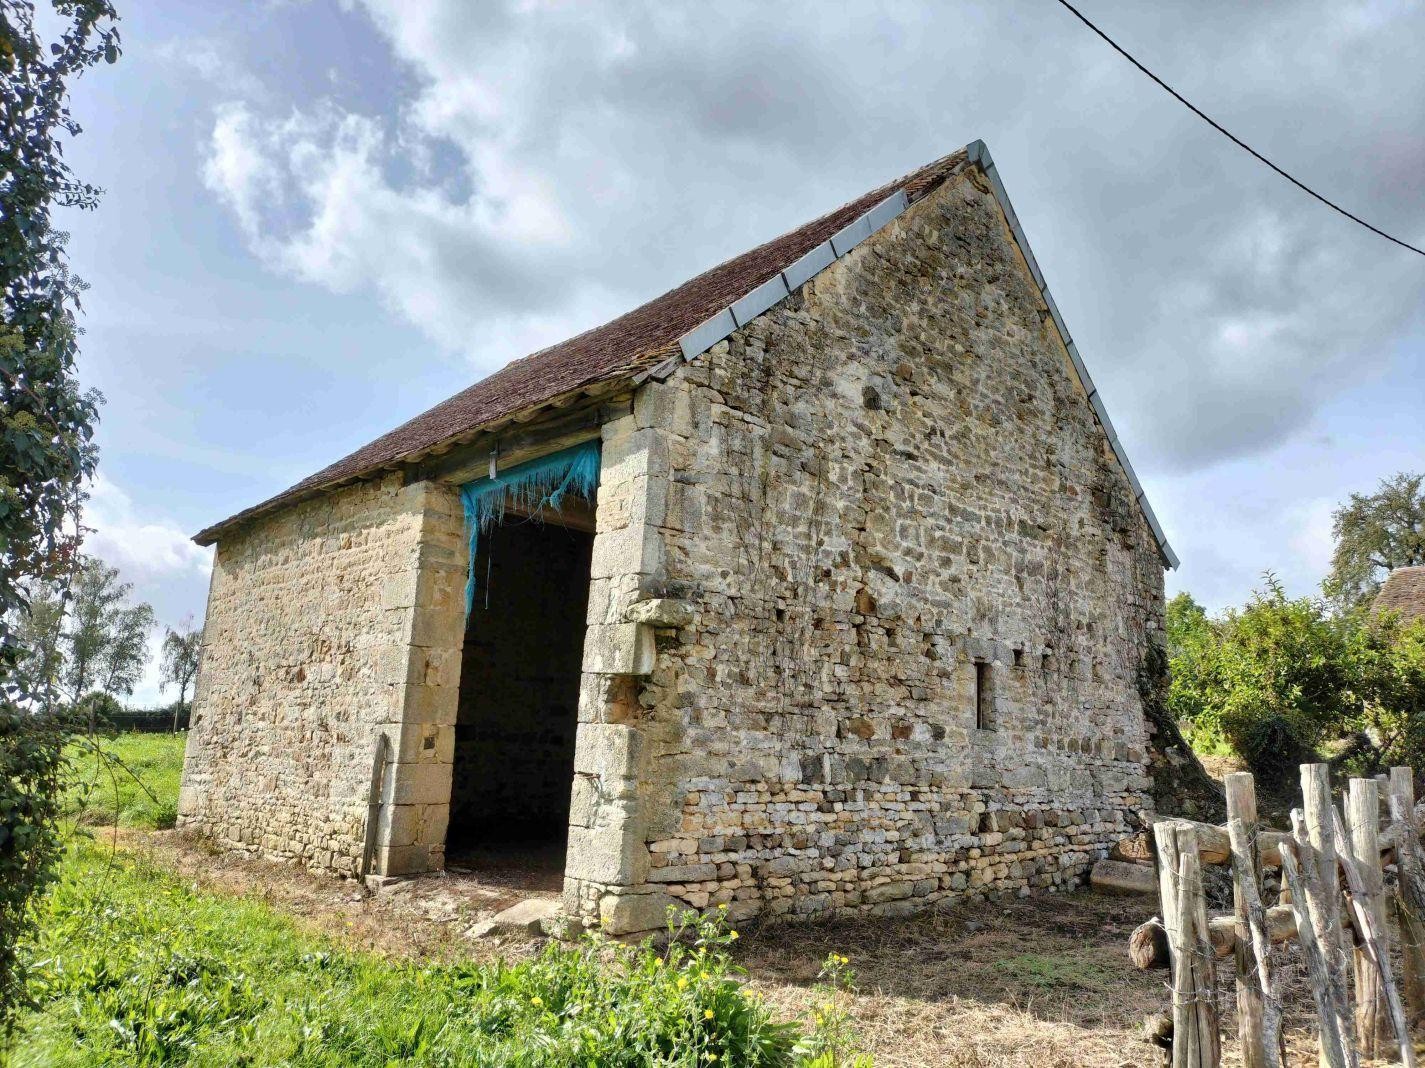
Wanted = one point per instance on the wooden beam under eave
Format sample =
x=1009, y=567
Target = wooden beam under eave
x=550, y=432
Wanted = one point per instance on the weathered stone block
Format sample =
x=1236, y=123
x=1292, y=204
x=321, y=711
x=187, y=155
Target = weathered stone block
x=623, y=914
x=619, y=649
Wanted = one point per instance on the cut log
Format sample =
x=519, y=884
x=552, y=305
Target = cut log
x=1196, y=1042
x=1119, y=877
x=1259, y=1016
x=1215, y=848
x=1360, y=850
x=1148, y=944
x=1135, y=849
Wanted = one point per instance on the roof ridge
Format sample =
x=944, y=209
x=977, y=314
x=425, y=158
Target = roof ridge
x=683, y=322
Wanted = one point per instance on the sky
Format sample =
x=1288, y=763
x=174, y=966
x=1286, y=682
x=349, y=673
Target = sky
x=322, y=218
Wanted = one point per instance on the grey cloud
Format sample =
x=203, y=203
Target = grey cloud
x=1216, y=305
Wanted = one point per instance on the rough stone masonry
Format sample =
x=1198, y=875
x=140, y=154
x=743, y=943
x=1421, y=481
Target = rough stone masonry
x=868, y=602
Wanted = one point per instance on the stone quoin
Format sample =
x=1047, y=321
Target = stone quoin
x=853, y=622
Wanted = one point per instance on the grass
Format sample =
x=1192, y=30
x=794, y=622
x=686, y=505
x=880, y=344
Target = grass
x=1069, y=971
x=135, y=965
x=130, y=779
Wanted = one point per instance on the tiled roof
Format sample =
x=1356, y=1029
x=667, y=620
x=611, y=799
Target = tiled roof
x=681, y=324
x=618, y=349
x=1404, y=593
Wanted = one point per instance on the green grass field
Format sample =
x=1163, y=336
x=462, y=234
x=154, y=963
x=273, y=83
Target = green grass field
x=131, y=779
x=134, y=966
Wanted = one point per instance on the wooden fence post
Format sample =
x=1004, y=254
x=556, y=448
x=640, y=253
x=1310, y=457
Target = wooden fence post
x=1261, y=1034
x=1196, y=1040
x=1373, y=940
x=1409, y=892
x=1362, y=841
x=1314, y=828
x=1335, y=1051
x=1247, y=867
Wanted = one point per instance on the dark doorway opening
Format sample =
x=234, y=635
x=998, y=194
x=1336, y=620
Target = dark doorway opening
x=519, y=696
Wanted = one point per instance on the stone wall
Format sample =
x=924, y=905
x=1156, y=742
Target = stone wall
x=328, y=622
x=519, y=683
x=886, y=479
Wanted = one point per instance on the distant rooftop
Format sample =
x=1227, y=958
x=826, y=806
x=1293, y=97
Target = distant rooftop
x=1404, y=593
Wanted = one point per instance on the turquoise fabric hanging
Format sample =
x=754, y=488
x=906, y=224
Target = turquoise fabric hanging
x=539, y=483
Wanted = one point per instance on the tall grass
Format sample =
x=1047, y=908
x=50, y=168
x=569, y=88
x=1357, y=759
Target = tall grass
x=129, y=779
x=134, y=967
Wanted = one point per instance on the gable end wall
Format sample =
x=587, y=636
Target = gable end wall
x=887, y=477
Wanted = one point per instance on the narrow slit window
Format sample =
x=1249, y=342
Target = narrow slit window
x=984, y=698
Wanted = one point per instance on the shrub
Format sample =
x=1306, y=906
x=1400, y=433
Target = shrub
x=1282, y=681
x=32, y=779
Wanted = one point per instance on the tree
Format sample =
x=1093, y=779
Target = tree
x=1376, y=533
x=1281, y=681
x=1388, y=669
x=1271, y=680
x=46, y=426
x=180, y=661
x=96, y=596
x=37, y=628
x=104, y=639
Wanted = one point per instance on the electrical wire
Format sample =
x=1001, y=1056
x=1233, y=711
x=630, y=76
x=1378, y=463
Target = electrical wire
x=1233, y=137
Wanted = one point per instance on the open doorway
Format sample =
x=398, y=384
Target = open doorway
x=519, y=697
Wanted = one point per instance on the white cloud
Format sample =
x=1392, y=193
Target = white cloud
x=154, y=554
x=143, y=548
x=314, y=197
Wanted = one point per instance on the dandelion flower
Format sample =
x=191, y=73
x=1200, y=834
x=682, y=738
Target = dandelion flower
x=707, y=1014
x=682, y=981
x=732, y=935
x=536, y=1001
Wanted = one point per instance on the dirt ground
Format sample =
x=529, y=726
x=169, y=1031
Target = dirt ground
x=1042, y=982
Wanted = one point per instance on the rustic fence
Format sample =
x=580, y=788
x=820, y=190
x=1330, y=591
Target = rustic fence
x=1332, y=901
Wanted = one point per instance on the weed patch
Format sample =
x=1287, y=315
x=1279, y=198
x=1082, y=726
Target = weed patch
x=1056, y=972
x=134, y=967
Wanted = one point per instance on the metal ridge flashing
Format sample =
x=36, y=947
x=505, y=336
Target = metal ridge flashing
x=977, y=152
x=759, y=300
x=752, y=304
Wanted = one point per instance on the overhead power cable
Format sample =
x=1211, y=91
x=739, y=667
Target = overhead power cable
x=1233, y=137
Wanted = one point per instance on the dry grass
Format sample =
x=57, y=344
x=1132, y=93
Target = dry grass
x=425, y=917
x=1037, y=983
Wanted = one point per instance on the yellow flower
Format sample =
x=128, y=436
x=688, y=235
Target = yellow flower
x=732, y=935
x=707, y=1014
x=722, y=907
x=536, y=1001
x=682, y=982
x=712, y=1057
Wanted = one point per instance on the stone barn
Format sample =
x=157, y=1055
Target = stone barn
x=818, y=585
